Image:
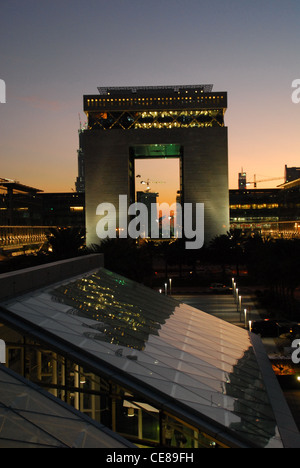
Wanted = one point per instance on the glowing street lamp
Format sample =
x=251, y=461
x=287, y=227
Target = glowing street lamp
x=240, y=307
x=245, y=316
x=170, y=281
x=237, y=295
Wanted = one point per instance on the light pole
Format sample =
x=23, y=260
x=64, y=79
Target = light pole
x=240, y=307
x=166, y=289
x=170, y=281
x=245, y=315
x=237, y=295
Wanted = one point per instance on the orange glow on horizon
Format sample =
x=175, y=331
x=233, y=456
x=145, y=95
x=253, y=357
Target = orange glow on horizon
x=163, y=175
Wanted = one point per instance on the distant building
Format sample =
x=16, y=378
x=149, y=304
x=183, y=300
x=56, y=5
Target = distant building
x=184, y=122
x=62, y=209
x=275, y=212
x=292, y=173
x=148, y=199
x=242, y=180
x=26, y=214
x=19, y=204
x=250, y=206
x=80, y=181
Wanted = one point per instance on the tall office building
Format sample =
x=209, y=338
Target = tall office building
x=242, y=180
x=80, y=181
x=184, y=122
x=149, y=199
x=292, y=173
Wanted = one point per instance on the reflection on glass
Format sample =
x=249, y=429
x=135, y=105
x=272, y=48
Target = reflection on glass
x=125, y=317
x=257, y=421
x=197, y=361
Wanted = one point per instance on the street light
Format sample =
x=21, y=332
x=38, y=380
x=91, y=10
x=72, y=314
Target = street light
x=240, y=307
x=170, y=280
x=166, y=289
x=245, y=316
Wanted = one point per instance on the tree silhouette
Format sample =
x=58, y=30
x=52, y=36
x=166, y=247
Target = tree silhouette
x=274, y=263
x=126, y=257
x=228, y=248
x=66, y=242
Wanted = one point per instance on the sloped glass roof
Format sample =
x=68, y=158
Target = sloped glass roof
x=32, y=418
x=206, y=364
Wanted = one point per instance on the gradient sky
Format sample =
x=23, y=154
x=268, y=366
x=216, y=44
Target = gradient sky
x=54, y=52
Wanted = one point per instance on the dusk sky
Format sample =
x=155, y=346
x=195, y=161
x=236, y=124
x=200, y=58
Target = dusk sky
x=54, y=52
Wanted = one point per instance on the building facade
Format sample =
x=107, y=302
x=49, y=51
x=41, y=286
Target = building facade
x=242, y=180
x=125, y=124
x=271, y=212
x=292, y=173
x=27, y=213
x=80, y=180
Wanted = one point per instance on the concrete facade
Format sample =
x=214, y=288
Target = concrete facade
x=204, y=165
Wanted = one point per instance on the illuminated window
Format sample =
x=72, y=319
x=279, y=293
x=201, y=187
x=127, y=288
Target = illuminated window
x=76, y=208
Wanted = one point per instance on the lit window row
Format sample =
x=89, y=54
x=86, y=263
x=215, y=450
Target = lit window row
x=156, y=119
x=149, y=101
x=267, y=206
x=172, y=125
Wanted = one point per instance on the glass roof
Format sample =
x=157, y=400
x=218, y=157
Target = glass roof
x=32, y=418
x=199, y=360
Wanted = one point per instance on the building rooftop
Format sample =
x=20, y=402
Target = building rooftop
x=290, y=185
x=156, y=107
x=211, y=374
x=114, y=91
x=33, y=418
x=14, y=185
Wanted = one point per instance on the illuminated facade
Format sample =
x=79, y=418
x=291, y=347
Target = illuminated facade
x=270, y=212
x=184, y=122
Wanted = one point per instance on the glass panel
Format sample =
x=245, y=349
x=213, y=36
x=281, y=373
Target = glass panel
x=190, y=356
x=29, y=418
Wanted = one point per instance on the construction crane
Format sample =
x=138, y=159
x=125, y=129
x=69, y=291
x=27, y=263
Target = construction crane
x=148, y=182
x=255, y=182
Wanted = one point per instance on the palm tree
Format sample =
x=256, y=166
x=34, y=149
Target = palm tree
x=221, y=249
x=126, y=257
x=66, y=242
